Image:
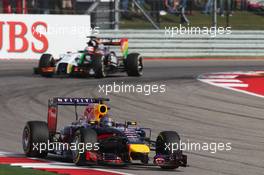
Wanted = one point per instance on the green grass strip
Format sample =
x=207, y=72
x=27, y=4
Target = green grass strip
x=16, y=170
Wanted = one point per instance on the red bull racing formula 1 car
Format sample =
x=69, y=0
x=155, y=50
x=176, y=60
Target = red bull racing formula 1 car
x=94, y=138
x=95, y=60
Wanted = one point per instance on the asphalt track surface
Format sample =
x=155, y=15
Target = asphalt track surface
x=197, y=111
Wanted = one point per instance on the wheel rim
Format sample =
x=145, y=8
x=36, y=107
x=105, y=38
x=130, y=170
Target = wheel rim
x=140, y=65
x=26, y=139
x=75, y=153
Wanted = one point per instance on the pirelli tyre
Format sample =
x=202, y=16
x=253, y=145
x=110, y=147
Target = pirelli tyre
x=46, y=61
x=163, y=141
x=99, y=66
x=35, y=139
x=134, y=64
x=83, y=137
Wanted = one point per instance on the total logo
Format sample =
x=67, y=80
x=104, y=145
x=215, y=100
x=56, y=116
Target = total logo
x=21, y=37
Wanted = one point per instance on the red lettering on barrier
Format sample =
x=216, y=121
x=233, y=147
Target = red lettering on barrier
x=1, y=34
x=13, y=36
x=18, y=31
x=39, y=36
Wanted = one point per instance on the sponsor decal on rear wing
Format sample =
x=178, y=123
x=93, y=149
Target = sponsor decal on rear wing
x=108, y=40
x=77, y=101
x=122, y=42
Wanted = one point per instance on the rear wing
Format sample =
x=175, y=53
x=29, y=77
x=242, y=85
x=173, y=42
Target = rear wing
x=66, y=101
x=122, y=42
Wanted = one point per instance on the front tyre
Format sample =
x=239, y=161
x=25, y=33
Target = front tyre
x=168, y=138
x=35, y=133
x=134, y=64
x=83, y=136
x=99, y=66
x=46, y=62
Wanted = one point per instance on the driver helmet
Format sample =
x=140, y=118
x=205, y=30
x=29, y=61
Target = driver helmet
x=106, y=121
x=92, y=43
x=91, y=46
x=88, y=115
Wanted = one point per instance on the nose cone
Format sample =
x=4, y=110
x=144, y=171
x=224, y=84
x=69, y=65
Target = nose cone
x=139, y=148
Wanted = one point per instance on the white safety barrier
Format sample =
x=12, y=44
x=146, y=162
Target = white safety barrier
x=29, y=36
x=157, y=43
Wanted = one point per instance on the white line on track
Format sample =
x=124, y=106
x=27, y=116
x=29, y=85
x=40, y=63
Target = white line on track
x=224, y=84
x=111, y=171
x=218, y=76
x=59, y=165
x=224, y=80
x=44, y=165
x=230, y=86
x=3, y=153
x=242, y=91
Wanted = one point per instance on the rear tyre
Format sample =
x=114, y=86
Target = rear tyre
x=85, y=136
x=99, y=66
x=46, y=60
x=166, y=138
x=34, y=134
x=134, y=64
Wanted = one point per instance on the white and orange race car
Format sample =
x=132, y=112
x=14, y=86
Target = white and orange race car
x=95, y=60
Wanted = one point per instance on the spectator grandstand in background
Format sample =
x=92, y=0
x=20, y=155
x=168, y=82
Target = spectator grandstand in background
x=156, y=6
x=172, y=6
x=14, y=6
x=160, y=12
x=226, y=6
x=38, y=6
x=68, y=6
x=183, y=7
x=208, y=7
x=177, y=7
x=51, y=6
x=140, y=2
x=1, y=6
